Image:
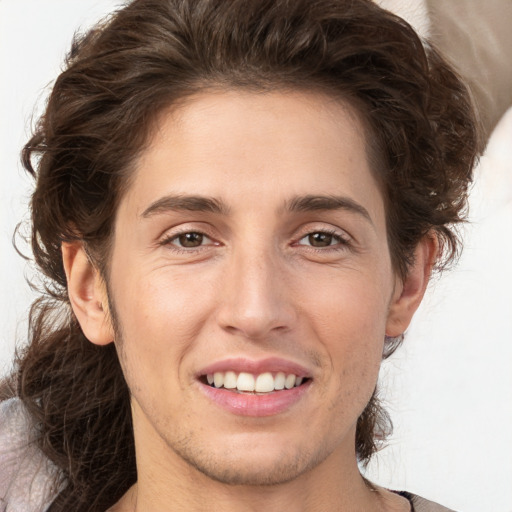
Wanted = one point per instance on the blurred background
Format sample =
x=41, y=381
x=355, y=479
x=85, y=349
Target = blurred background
x=449, y=388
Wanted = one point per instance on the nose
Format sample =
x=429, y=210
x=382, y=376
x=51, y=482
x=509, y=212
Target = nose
x=255, y=300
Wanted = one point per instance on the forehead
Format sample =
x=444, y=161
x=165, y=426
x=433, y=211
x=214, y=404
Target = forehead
x=245, y=146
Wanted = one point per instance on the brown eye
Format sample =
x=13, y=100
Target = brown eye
x=190, y=239
x=321, y=239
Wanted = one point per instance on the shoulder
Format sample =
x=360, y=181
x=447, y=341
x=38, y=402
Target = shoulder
x=26, y=476
x=422, y=505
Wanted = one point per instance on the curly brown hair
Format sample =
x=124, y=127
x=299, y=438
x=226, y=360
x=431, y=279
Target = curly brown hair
x=118, y=77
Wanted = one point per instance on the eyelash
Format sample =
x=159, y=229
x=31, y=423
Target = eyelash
x=342, y=242
x=168, y=241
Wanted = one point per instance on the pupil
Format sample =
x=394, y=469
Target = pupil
x=191, y=239
x=320, y=239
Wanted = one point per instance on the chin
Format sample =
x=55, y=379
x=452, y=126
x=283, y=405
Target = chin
x=245, y=474
x=259, y=469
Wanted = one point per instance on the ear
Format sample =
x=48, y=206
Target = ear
x=87, y=294
x=409, y=292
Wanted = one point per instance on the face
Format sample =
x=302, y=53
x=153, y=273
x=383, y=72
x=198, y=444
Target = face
x=251, y=251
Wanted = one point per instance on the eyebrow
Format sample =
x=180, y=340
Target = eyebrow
x=185, y=203
x=298, y=204
x=309, y=203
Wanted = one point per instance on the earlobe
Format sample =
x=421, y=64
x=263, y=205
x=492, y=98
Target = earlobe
x=87, y=294
x=410, y=291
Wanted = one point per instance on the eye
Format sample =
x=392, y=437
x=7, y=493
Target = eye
x=189, y=240
x=322, y=239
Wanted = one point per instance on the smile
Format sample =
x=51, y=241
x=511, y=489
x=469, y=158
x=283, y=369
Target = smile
x=244, y=382
x=246, y=387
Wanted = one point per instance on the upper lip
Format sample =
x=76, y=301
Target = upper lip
x=256, y=367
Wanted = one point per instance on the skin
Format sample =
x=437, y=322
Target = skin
x=255, y=287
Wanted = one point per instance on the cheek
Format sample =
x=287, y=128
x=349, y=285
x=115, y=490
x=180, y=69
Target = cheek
x=351, y=310
x=160, y=317
x=162, y=300
x=350, y=322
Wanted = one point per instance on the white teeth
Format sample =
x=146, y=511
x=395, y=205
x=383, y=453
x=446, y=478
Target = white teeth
x=245, y=382
x=218, y=379
x=230, y=380
x=279, y=381
x=263, y=383
x=289, y=383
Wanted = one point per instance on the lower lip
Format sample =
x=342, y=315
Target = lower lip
x=247, y=404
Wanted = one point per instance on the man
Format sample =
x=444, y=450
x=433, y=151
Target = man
x=238, y=207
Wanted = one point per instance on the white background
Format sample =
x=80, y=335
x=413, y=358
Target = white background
x=449, y=389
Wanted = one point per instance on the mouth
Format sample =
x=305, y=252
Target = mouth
x=257, y=384
x=261, y=388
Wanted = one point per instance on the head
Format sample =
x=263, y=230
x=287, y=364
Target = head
x=160, y=66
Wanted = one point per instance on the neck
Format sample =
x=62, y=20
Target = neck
x=176, y=486
x=304, y=494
